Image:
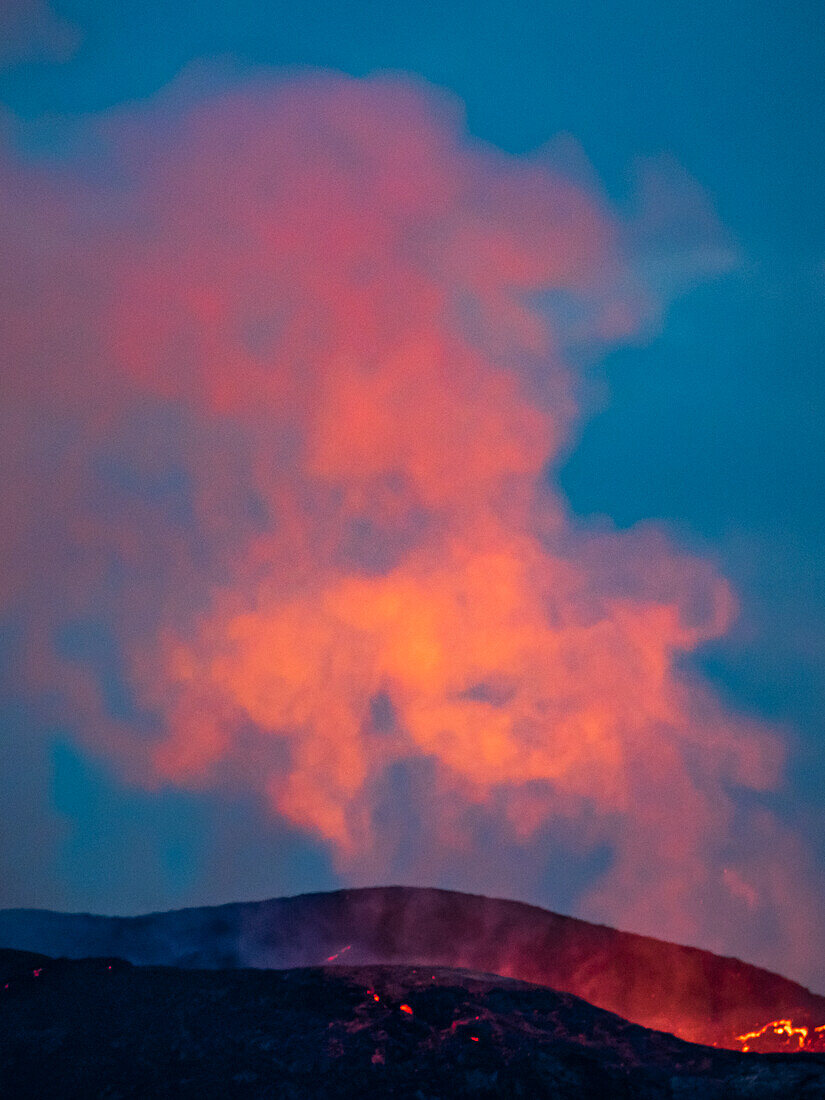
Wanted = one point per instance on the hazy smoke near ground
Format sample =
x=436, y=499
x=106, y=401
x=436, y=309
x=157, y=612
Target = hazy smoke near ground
x=288, y=379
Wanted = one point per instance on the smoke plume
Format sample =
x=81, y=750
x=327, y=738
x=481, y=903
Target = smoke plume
x=290, y=373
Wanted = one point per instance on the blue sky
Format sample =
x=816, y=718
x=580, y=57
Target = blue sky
x=711, y=423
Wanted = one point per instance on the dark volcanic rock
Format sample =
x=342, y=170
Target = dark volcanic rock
x=698, y=995
x=103, y=1028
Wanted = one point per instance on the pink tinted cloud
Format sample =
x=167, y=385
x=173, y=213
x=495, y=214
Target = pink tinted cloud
x=321, y=300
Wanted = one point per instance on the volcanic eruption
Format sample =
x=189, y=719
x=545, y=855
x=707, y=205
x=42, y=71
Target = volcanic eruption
x=294, y=366
x=295, y=460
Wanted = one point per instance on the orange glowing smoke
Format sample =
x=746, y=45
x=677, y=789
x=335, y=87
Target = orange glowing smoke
x=782, y=1035
x=339, y=305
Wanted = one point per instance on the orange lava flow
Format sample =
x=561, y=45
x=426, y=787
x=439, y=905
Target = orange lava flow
x=782, y=1035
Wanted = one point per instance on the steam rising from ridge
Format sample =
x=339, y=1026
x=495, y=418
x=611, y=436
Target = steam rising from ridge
x=288, y=383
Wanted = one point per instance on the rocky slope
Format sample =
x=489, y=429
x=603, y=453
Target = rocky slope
x=102, y=1028
x=695, y=994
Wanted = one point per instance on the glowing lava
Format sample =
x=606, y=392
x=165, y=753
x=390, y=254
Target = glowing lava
x=782, y=1035
x=332, y=958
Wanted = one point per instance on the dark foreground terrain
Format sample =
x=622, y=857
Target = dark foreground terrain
x=105, y=1028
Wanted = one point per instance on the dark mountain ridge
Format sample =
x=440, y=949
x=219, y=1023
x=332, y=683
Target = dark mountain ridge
x=695, y=994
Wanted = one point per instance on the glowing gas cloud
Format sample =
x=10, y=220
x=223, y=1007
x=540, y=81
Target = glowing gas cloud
x=289, y=381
